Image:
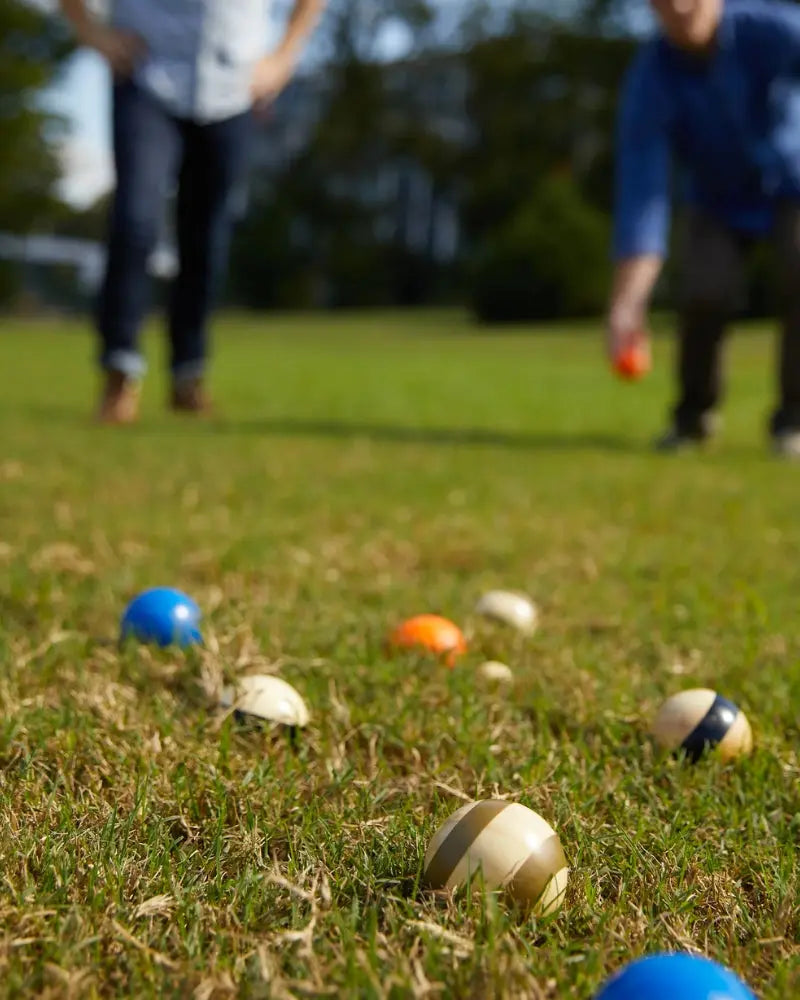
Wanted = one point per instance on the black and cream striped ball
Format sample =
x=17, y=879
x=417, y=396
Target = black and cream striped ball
x=694, y=721
x=514, y=848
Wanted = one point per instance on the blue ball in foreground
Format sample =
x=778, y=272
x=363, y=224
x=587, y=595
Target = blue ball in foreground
x=674, y=977
x=162, y=616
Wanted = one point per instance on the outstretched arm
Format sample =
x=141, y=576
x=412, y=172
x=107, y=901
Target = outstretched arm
x=642, y=210
x=634, y=281
x=275, y=70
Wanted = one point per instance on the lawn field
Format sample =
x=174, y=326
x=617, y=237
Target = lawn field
x=363, y=469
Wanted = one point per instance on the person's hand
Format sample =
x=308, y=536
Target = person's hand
x=626, y=329
x=122, y=50
x=272, y=74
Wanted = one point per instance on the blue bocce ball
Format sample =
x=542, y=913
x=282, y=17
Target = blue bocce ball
x=163, y=616
x=674, y=977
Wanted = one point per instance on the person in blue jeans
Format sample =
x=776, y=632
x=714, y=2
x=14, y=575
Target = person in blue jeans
x=717, y=91
x=186, y=76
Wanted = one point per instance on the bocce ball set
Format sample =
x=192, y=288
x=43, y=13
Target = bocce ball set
x=493, y=845
x=166, y=617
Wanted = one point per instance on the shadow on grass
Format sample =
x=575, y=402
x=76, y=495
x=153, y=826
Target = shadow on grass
x=288, y=426
x=470, y=436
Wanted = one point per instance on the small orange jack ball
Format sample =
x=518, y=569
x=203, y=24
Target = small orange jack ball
x=633, y=362
x=430, y=633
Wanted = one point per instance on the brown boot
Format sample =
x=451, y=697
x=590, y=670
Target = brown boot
x=189, y=396
x=119, y=403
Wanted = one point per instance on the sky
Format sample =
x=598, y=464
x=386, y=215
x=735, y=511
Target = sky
x=82, y=96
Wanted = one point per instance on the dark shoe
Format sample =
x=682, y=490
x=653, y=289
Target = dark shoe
x=786, y=444
x=674, y=440
x=682, y=435
x=119, y=402
x=189, y=396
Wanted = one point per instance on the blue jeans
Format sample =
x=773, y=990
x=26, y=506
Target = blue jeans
x=152, y=152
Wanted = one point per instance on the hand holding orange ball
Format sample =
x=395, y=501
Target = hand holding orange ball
x=627, y=335
x=633, y=361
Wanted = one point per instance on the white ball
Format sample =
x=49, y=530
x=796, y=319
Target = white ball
x=510, y=608
x=266, y=697
x=493, y=670
x=699, y=719
x=512, y=846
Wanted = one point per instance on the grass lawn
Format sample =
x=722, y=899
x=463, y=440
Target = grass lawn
x=362, y=470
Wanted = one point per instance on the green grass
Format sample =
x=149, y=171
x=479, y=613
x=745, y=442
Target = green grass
x=365, y=469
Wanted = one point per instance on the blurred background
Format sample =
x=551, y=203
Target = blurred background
x=453, y=152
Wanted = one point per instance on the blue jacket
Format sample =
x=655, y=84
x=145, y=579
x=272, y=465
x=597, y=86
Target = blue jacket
x=730, y=120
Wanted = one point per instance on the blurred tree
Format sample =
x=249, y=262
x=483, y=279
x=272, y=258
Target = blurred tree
x=87, y=223
x=608, y=15
x=549, y=259
x=550, y=144
x=331, y=222
x=32, y=46
x=482, y=116
x=365, y=31
x=270, y=268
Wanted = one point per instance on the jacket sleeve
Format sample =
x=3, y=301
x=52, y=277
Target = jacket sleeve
x=772, y=33
x=642, y=184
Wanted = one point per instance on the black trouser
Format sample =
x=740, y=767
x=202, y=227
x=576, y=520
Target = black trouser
x=711, y=284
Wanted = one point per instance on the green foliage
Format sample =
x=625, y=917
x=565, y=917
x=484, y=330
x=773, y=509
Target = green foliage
x=88, y=223
x=549, y=259
x=31, y=46
x=542, y=103
x=487, y=122
x=328, y=225
x=267, y=269
x=10, y=283
x=541, y=97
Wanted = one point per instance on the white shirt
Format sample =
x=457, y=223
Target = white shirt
x=201, y=54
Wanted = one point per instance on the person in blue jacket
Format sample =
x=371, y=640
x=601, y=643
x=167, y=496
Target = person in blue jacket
x=186, y=76
x=716, y=94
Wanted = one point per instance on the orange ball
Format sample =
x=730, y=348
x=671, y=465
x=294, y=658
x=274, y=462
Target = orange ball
x=633, y=362
x=430, y=633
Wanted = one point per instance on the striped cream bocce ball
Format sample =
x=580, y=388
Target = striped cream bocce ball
x=698, y=720
x=512, y=846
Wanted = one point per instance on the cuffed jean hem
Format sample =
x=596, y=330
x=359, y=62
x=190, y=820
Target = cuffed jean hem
x=129, y=363
x=187, y=370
